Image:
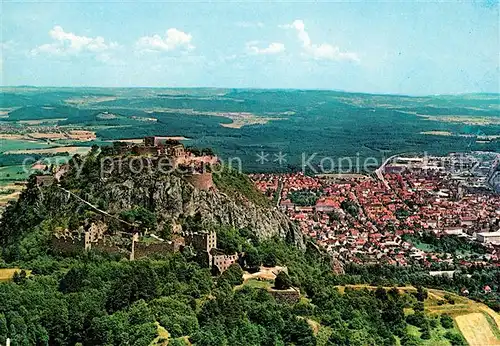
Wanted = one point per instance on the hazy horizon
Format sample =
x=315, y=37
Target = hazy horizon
x=243, y=88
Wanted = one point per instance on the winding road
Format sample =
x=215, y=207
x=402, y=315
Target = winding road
x=379, y=171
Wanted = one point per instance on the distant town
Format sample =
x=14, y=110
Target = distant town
x=387, y=216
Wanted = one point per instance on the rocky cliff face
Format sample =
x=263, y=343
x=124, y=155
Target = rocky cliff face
x=172, y=198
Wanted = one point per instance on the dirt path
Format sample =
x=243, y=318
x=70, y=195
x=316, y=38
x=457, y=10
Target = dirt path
x=264, y=273
x=100, y=211
x=476, y=329
x=493, y=314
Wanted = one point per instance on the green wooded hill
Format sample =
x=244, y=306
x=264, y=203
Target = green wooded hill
x=94, y=299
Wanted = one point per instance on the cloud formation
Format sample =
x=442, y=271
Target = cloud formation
x=323, y=51
x=67, y=43
x=173, y=39
x=273, y=48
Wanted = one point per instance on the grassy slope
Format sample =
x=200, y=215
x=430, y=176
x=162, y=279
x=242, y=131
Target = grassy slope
x=463, y=306
x=437, y=336
x=476, y=329
x=6, y=274
x=14, y=144
x=235, y=184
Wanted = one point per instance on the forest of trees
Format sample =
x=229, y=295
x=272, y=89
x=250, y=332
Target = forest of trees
x=449, y=244
x=94, y=299
x=304, y=197
x=98, y=300
x=339, y=118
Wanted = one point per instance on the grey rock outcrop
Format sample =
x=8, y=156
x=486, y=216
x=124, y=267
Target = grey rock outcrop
x=172, y=198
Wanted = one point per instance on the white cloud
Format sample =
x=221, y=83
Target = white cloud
x=67, y=43
x=327, y=51
x=174, y=39
x=323, y=51
x=273, y=48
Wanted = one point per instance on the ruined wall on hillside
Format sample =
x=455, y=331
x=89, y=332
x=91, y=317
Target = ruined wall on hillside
x=201, y=181
x=290, y=296
x=67, y=245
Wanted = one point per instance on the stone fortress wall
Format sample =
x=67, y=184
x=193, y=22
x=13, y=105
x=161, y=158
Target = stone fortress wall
x=201, y=181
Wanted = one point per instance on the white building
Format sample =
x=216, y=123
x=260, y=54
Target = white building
x=489, y=237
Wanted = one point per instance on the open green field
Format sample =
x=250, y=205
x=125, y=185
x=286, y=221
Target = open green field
x=14, y=144
x=11, y=174
x=254, y=283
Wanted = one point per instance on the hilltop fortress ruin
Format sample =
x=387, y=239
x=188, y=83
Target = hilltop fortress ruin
x=168, y=155
x=155, y=152
x=147, y=213
x=134, y=241
x=135, y=245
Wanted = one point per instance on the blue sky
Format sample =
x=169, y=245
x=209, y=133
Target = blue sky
x=378, y=47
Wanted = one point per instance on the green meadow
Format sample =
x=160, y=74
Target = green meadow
x=14, y=144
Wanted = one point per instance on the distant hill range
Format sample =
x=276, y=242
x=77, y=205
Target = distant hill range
x=243, y=123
